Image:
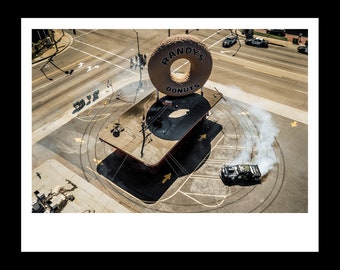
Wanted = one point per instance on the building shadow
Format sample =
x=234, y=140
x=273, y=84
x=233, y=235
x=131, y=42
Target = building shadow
x=149, y=183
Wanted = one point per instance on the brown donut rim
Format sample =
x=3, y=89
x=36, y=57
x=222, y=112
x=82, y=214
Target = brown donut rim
x=175, y=48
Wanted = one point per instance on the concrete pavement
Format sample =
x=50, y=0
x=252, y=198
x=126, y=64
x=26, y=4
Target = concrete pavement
x=285, y=43
x=63, y=41
x=52, y=179
x=54, y=175
x=58, y=183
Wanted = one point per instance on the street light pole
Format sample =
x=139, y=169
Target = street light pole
x=54, y=42
x=140, y=64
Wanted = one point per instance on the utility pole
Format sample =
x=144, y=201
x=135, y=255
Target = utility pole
x=143, y=132
x=54, y=42
x=140, y=64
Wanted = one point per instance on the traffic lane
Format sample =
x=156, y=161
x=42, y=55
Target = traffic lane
x=224, y=75
x=293, y=140
x=263, y=61
x=53, y=98
x=92, y=52
x=290, y=92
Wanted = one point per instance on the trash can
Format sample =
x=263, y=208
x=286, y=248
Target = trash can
x=296, y=41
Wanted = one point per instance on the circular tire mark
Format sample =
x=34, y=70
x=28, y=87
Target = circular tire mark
x=239, y=134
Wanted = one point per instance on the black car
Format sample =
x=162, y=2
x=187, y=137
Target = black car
x=258, y=42
x=240, y=174
x=303, y=49
x=276, y=32
x=229, y=41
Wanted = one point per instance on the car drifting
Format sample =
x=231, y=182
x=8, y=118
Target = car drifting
x=240, y=174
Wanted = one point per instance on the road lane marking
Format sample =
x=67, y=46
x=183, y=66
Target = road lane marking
x=260, y=67
x=266, y=104
x=242, y=74
x=227, y=91
x=100, y=49
x=105, y=61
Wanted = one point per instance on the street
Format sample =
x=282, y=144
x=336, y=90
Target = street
x=276, y=74
x=263, y=118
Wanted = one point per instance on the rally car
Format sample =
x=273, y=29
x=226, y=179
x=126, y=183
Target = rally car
x=240, y=174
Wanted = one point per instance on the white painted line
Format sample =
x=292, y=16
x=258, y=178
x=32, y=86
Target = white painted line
x=102, y=59
x=207, y=195
x=48, y=128
x=266, y=104
x=97, y=48
x=262, y=68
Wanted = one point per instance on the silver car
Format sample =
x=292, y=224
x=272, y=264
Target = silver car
x=229, y=41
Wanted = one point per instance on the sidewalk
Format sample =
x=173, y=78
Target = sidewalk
x=52, y=174
x=63, y=41
x=58, y=183
x=288, y=42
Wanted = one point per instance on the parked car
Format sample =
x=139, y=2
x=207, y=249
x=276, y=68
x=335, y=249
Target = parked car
x=37, y=207
x=303, y=49
x=258, y=42
x=240, y=174
x=276, y=32
x=229, y=41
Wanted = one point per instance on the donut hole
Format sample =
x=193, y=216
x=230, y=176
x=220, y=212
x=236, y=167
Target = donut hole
x=180, y=65
x=180, y=71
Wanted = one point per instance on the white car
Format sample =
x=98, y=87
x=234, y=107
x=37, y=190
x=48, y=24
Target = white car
x=229, y=41
x=258, y=42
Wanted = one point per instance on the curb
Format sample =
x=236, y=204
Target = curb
x=62, y=45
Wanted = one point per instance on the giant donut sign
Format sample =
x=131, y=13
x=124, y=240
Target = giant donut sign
x=175, y=48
